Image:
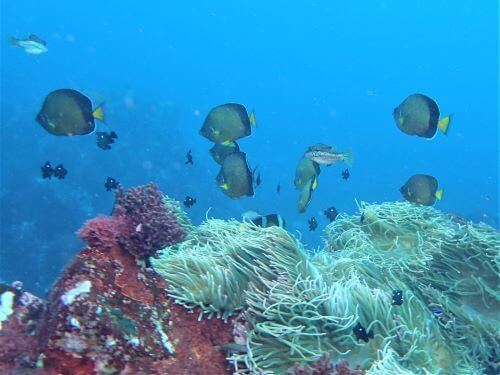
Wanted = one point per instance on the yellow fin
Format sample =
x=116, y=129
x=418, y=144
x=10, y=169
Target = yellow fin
x=99, y=112
x=444, y=124
x=224, y=186
x=439, y=194
x=229, y=143
x=401, y=120
x=252, y=119
x=314, y=184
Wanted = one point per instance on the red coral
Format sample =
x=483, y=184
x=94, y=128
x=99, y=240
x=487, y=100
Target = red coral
x=104, y=232
x=140, y=224
x=154, y=227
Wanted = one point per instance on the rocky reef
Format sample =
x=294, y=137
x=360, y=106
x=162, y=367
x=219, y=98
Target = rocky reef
x=397, y=289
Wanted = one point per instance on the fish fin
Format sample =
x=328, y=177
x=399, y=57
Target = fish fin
x=444, y=124
x=401, y=120
x=229, y=143
x=370, y=334
x=224, y=186
x=439, y=194
x=98, y=113
x=347, y=157
x=13, y=41
x=314, y=184
x=252, y=119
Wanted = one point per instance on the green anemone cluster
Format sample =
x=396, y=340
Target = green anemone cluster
x=299, y=306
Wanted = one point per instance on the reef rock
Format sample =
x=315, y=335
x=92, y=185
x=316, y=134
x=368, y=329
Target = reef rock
x=109, y=313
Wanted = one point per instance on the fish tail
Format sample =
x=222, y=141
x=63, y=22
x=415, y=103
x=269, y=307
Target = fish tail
x=99, y=112
x=444, y=124
x=347, y=157
x=439, y=194
x=252, y=119
x=13, y=41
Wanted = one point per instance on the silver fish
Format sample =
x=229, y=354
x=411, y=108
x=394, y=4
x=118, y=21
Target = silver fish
x=32, y=44
x=329, y=156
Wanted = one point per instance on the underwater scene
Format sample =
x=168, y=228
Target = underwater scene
x=249, y=187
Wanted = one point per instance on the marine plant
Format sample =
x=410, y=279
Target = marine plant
x=300, y=306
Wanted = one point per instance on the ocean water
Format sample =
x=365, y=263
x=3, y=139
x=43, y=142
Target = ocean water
x=314, y=71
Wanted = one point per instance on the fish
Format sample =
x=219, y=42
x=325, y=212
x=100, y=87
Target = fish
x=331, y=213
x=278, y=188
x=111, y=184
x=105, y=140
x=235, y=178
x=306, y=194
x=47, y=170
x=313, y=223
x=227, y=123
x=33, y=44
x=326, y=155
x=419, y=115
x=67, y=112
x=219, y=151
x=421, y=189
x=60, y=172
x=397, y=298
x=346, y=174
x=264, y=221
x=361, y=334
x=306, y=171
x=189, y=157
x=189, y=201
x=256, y=177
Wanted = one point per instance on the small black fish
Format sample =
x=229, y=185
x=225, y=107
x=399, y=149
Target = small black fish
x=110, y=184
x=278, y=188
x=189, y=201
x=361, y=334
x=258, y=180
x=313, y=223
x=397, y=297
x=346, y=174
x=47, y=170
x=60, y=172
x=189, y=157
x=104, y=140
x=331, y=213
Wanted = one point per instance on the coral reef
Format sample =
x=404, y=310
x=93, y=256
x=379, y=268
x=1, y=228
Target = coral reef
x=18, y=328
x=282, y=309
x=297, y=307
x=141, y=223
x=107, y=314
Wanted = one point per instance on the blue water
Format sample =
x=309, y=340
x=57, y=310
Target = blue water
x=314, y=72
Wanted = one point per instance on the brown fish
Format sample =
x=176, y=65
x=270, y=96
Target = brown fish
x=235, y=178
x=68, y=112
x=419, y=115
x=219, y=151
x=421, y=189
x=227, y=123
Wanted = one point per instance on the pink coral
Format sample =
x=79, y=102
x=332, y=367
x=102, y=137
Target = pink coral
x=103, y=232
x=154, y=227
x=140, y=224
